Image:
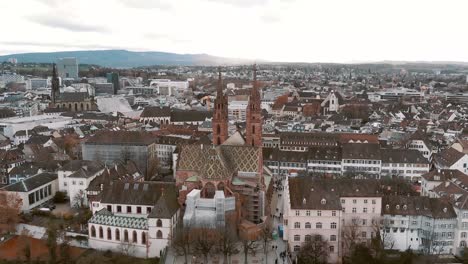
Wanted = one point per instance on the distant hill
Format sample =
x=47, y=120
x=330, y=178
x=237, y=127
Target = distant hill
x=125, y=58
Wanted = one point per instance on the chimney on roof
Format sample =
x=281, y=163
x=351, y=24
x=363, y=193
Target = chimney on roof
x=304, y=201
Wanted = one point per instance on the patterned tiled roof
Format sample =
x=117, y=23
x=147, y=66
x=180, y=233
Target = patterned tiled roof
x=219, y=162
x=104, y=217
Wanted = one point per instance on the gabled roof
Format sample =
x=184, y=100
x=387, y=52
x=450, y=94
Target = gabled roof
x=219, y=162
x=31, y=183
x=155, y=111
x=73, y=97
x=38, y=139
x=448, y=157
x=403, y=156
x=235, y=139
x=442, y=175
x=417, y=205
x=121, y=138
x=140, y=193
x=361, y=151
x=307, y=192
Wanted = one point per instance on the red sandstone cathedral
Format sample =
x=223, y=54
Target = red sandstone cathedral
x=232, y=164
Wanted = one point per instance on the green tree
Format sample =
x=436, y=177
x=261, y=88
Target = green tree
x=51, y=242
x=361, y=254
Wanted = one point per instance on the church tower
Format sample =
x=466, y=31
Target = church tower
x=55, y=85
x=254, y=115
x=220, y=117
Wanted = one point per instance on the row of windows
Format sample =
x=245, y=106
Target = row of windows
x=297, y=248
x=139, y=209
x=355, y=201
x=318, y=225
x=309, y=238
x=417, y=165
x=348, y=168
x=354, y=210
x=319, y=213
x=126, y=237
x=40, y=194
x=362, y=161
x=74, y=183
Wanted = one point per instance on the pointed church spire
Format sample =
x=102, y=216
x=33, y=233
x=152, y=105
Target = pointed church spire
x=254, y=115
x=220, y=115
x=55, y=85
x=219, y=91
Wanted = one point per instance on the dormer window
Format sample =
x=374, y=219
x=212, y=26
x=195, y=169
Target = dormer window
x=397, y=207
x=387, y=206
x=405, y=207
x=323, y=201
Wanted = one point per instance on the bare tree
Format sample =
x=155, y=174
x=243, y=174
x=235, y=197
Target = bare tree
x=79, y=199
x=204, y=241
x=266, y=237
x=181, y=242
x=351, y=233
x=383, y=239
x=10, y=208
x=153, y=168
x=249, y=246
x=314, y=251
x=227, y=242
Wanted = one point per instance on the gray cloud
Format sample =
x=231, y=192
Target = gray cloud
x=66, y=24
x=242, y=3
x=268, y=18
x=147, y=4
x=59, y=45
x=161, y=36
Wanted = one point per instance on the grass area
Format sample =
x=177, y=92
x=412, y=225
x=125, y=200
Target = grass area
x=107, y=257
x=13, y=251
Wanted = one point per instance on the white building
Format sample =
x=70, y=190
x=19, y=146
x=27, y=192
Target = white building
x=409, y=164
x=423, y=224
x=362, y=158
x=75, y=177
x=67, y=68
x=338, y=211
x=207, y=212
x=34, y=191
x=452, y=159
x=237, y=110
x=9, y=126
x=419, y=141
x=139, y=217
x=169, y=87
x=436, y=177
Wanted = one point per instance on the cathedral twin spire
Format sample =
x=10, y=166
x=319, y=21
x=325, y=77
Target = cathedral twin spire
x=220, y=118
x=254, y=118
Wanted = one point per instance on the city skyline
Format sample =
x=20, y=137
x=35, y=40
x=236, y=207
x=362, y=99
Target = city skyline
x=271, y=30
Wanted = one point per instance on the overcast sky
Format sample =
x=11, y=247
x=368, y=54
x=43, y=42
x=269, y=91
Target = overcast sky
x=275, y=30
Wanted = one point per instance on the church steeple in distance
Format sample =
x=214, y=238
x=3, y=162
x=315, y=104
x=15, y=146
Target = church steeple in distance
x=220, y=116
x=55, y=84
x=254, y=114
